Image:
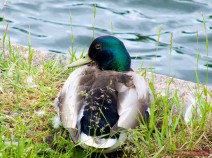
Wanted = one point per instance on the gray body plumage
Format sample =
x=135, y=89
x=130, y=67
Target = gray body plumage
x=132, y=96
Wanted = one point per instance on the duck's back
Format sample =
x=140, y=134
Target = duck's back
x=96, y=103
x=99, y=107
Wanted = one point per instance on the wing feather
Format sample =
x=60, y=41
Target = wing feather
x=133, y=101
x=69, y=101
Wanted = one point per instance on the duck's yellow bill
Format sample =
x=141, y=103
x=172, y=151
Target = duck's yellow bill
x=83, y=61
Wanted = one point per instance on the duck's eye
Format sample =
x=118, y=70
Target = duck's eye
x=98, y=46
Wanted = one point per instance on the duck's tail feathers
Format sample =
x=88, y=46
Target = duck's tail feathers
x=95, y=142
x=107, y=144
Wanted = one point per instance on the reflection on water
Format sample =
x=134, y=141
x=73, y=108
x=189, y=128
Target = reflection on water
x=136, y=23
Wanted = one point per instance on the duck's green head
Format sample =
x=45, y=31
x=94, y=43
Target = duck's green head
x=109, y=53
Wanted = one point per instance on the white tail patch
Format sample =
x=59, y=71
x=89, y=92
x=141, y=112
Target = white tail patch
x=97, y=142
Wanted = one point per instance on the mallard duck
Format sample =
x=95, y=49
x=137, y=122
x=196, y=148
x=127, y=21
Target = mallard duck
x=103, y=98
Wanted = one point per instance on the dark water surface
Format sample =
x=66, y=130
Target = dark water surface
x=135, y=22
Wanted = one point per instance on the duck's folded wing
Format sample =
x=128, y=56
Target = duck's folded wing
x=133, y=101
x=69, y=102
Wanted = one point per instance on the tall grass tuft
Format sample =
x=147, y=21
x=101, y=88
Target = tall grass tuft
x=72, y=51
x=206, y=45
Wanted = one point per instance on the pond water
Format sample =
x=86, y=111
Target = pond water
x=137, y=23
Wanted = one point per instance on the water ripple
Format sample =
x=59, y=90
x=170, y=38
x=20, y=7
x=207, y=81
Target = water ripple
x=28, y=32
x=135, y=22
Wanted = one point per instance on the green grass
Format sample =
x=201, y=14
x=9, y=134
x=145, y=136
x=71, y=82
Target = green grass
x=27, y=93
x=26, y=89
